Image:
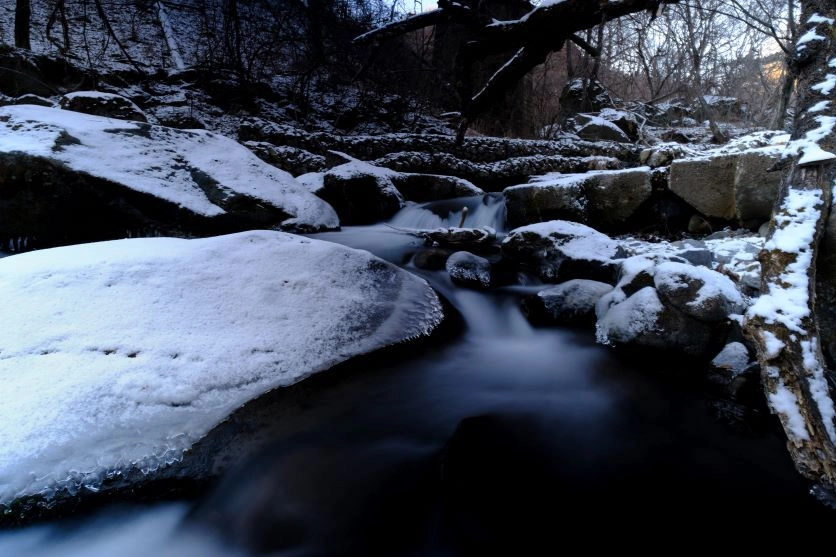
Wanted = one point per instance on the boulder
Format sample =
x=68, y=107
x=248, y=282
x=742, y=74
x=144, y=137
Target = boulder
x=69, y=177
x=433, y=187
x=707, y=184
x=128, y=352
x=108, y=105
x=755, y=189
x=467, y=269
x=643, y=320
x=361, y=193
x=604, y=199
x=557, y=251
x=33, y=99
x=625, y=121
x=548, y=197
x=614, y=196
x=579, y=95
x=698, y=292
x=571, y=302
x=431, y=259
x=595, y=128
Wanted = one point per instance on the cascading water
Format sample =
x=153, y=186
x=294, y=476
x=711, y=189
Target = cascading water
x=487, y=210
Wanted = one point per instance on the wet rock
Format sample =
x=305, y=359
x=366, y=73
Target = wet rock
x=467, y=269
x=361, y=193
x=571, y=302
x=706, y=184
x=431, y=259
x=108, y=105
x=557, y=251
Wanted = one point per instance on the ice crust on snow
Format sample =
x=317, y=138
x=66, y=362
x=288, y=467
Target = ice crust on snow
x=120, y=355
x=159, y=161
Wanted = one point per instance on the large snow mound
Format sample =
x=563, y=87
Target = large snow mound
x=119, y=355
x=195, y=169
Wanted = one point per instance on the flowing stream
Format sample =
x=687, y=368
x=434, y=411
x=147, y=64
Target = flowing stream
x=504, y=438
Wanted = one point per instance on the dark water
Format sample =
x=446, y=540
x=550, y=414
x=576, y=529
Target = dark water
x=504, y=439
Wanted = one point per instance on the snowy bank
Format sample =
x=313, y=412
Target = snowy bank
x=118, y=356
x=208, y=176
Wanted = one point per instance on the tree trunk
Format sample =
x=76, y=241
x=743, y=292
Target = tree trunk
x=23, y=13
x=787, y=82
x=783, y=322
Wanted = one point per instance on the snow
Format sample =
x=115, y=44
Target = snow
x=575, y=240
x=819, y=106
x=734, y=357
x=808, y=145
x=783, y=401
x=818, y=18
x=817, y=382
x=772, y=345
x=624, y=321
x=810, y=35
x=119, y=355
x=826, y=86
x=159, y=161
x=786, y=300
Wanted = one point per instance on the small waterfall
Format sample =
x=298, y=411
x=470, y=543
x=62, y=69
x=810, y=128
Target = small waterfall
x=486, y=210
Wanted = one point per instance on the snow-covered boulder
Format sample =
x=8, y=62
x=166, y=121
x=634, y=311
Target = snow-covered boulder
x=433, y=187
x=103, y=104
x=558, y=250
x=698, y=292
x=604, y=199
x=70, y=177
x=468, y=269
x=643, y=320
x=571, y=302
x=291, y=159
x=668, y=305
x=595, y=128
x=549, y=197
x=118, y=356
x=360, y=192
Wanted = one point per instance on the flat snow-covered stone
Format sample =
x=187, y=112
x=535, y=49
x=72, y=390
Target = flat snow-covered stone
x=135, y=174
x=118, y=356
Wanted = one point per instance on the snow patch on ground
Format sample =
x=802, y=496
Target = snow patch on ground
x=783, y=401
x=120, y=355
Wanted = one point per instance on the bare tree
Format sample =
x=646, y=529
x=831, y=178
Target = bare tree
x=799, y=264
x=530, y=39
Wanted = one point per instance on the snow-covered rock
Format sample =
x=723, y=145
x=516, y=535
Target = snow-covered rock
x=561, y=250
x=468, y=269
x=755, y=189
x=117, y=356
x=433, y=187
x=360, y=192
x=604, y=199
x=71, y=177
x=571, y=302
x=595, y=128
x=697, y=291
x=98, y=103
